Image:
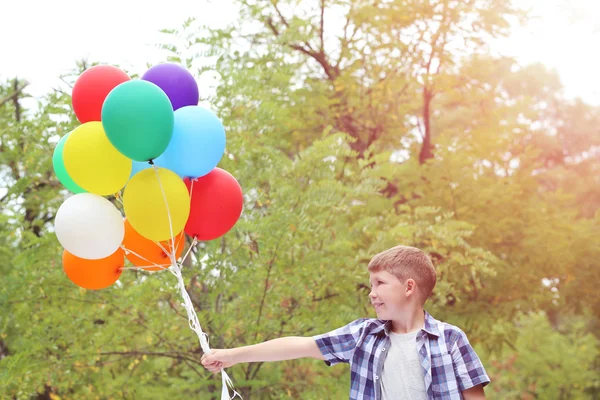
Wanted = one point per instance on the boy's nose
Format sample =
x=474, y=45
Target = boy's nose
x=372, y=295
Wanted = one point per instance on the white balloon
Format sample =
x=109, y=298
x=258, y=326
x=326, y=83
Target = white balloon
x=89, y=226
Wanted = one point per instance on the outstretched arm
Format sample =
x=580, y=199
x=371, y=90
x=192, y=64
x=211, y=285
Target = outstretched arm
x=287, y=348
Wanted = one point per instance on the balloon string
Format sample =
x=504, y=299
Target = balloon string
x=127, y=251
x=168, y=214
x=167, y=252
x=144, y=267
x=192, y=188
x=193, y=321
x=227, y=383
x=194, y=241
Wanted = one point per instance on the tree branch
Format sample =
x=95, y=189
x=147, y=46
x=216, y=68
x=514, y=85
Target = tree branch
x=428, y=88
x=281, y=17
x=283, y=323
x=266, y=288
x=174, y=355
x=331, y=71
x=322, y=26
x=164, y=340
x=15, y=94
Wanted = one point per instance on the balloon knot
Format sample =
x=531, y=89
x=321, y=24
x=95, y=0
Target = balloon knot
x=151, y=162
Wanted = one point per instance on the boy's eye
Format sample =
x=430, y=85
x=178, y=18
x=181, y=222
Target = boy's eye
x=378, y=282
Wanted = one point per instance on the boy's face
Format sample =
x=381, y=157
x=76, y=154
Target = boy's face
x=388, y=295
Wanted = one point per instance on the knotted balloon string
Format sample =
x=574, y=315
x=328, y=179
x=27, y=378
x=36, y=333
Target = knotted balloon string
x=167, y=252
x=193, y=321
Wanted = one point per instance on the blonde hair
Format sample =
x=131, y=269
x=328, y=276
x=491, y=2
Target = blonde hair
x=406, y=262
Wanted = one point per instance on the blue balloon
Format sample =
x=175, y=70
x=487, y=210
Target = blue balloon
x=197, y=144
x=137, y=166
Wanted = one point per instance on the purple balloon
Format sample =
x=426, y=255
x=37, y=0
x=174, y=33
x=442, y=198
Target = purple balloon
x=179, y=85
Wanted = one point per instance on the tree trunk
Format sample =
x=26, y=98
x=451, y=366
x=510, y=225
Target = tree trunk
x=426, y=149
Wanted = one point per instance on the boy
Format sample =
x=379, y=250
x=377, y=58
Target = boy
x=403, y=354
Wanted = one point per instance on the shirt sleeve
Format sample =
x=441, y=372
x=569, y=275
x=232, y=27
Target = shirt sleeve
x=338, y=345
x=467, y=365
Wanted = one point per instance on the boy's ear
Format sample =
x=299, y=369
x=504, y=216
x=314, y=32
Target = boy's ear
x=411, y=285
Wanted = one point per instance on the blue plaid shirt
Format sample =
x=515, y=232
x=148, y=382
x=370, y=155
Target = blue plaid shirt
x=450, y=364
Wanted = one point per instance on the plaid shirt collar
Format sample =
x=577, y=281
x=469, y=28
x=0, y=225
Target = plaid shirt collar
x=430, y=326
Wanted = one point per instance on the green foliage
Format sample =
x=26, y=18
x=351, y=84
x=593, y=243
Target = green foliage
x=547, y=363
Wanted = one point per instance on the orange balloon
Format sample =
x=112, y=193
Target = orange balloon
x=93, y=274
x=149, y=252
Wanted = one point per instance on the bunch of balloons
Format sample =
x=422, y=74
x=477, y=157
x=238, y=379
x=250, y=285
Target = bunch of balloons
x=147, y=143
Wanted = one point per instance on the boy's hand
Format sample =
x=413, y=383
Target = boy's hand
x=217, y=360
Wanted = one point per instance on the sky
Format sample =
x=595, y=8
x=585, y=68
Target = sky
x=46, y=37
x=42, y=39
x=563, y=35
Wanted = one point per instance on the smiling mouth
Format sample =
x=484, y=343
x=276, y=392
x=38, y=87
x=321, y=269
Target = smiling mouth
x=377, y=305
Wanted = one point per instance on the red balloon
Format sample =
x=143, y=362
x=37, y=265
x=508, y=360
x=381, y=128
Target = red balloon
x=92, y=87
x=216, y=204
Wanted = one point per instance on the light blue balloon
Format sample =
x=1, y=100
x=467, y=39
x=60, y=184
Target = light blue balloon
x=197, y=144
x=138, y=166
x=142, y=165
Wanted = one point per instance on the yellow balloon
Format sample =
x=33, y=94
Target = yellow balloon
x=145, y=208
x=93, y=162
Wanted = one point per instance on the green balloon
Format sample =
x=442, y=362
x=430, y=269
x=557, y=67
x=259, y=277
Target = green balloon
x=59, y=167
x=138, y=119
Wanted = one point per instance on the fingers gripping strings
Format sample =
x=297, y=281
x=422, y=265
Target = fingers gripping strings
x=193, y=322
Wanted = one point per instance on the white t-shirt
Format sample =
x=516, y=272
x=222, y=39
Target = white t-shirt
x=403, y=376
